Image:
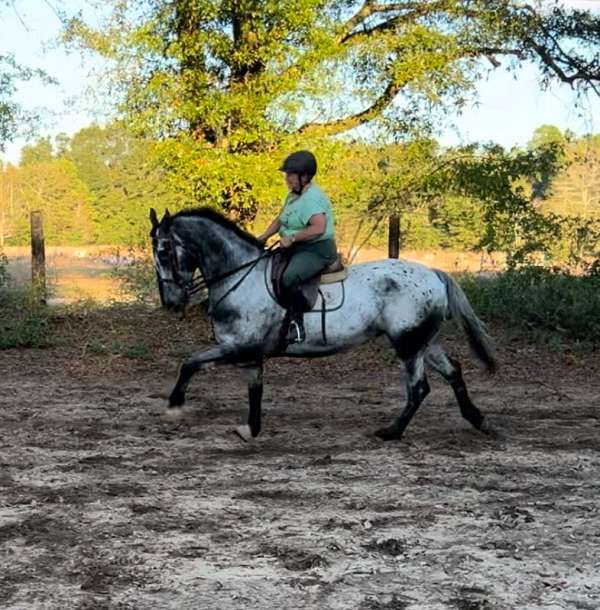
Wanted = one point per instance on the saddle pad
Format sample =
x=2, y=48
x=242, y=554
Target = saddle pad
x=334, y=276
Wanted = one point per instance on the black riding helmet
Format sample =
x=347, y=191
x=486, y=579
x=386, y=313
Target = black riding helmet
x=300, y=162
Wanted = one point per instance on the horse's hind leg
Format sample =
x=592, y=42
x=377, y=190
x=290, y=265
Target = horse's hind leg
x=417, y=389
x=451, y=371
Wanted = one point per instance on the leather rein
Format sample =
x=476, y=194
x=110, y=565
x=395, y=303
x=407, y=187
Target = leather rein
x=198, y=284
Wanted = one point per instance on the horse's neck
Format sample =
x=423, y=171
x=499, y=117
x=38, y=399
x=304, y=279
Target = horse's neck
x=217, y=248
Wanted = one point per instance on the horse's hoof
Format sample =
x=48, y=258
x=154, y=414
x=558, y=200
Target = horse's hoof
x=391, y=433
x=491, y=431
x=244, y=432
x=173, y=416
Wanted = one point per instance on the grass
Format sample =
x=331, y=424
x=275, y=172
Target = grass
x=23, y=321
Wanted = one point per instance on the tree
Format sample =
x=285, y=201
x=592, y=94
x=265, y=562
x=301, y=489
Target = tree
x=39, y=152
x=53, y=188
x=507, y=186
x=576, y=189
x=545, y=135
x=124, y=181
x=247, y=77
x=8, y=204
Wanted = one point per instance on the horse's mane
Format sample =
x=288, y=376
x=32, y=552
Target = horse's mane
x=218, y=218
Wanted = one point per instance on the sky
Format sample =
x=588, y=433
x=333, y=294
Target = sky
x=509, y=107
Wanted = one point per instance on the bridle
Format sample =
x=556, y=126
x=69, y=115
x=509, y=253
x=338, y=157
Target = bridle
x=198, y=284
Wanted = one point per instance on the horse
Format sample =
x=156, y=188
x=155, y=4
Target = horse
x=405, y=301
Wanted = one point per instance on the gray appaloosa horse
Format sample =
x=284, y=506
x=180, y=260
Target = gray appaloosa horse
x=404, y=301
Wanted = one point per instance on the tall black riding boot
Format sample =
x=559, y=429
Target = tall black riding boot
x=296, y=332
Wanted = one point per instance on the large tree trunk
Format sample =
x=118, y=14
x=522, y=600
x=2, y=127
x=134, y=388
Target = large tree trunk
x=394, y=236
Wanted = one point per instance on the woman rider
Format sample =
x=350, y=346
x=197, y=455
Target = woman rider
x=306, y=228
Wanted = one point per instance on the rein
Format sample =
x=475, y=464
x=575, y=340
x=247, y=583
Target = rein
x=200, y=283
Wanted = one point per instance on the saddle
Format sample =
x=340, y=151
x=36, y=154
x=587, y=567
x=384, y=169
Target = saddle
x=336, y=272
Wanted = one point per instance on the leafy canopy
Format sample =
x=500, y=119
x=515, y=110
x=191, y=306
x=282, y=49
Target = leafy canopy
x=243, y=74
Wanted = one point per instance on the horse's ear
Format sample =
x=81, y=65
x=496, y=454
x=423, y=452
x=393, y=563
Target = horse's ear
x=153, y=218
x=167, y=215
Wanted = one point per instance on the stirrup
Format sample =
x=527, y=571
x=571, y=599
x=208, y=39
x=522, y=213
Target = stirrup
x=296, y=332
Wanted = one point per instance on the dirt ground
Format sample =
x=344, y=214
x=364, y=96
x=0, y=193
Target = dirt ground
x=102, y=506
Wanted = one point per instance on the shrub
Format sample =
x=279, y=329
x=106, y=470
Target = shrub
x=539, y=299
x=137, y=278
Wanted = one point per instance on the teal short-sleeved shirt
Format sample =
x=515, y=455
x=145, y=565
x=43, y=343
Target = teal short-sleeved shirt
x=297, y=210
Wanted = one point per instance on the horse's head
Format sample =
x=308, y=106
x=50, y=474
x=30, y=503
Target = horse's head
x=174, y=265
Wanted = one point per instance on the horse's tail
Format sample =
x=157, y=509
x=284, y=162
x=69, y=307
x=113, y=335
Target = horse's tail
x=460, y=308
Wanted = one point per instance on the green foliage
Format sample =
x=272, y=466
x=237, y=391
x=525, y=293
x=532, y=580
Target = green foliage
x=54, y=188
x=4, y=275
x=508, y=186
x=472, y=196
x=225, y=84
x=137, y=350
x=96, y=188
x=458, y=222
x=576, y=190
x=137, y=278
x=579, y=242
x=536, y=299
x=124, y=180
x=23, y=322
x=40, y=152
x=546, y=135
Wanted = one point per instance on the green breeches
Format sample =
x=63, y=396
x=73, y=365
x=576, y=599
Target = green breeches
x=308, y=259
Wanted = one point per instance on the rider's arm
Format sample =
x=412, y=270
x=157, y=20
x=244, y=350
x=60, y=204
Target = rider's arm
x=317, y=224
x=272, y=229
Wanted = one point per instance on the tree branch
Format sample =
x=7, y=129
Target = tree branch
x=369, y=8
x=385, y=99
x=346, y=123
x=581, y=74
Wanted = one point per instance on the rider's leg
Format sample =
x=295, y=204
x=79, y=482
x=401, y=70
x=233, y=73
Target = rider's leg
x=302, y=267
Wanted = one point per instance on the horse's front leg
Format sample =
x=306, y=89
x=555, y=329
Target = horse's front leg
x=250, y=428
x=196, y=362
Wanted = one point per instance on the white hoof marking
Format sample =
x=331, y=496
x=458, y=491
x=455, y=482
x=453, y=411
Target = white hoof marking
x=244, y=433
x=174, y=415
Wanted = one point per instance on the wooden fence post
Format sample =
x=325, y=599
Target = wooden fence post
x=38, y=257
x=394, y=236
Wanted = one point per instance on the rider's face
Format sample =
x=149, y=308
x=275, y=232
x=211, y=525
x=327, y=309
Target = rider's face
x=293, y=182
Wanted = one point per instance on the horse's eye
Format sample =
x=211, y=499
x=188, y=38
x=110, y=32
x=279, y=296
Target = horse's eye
x=163, y=255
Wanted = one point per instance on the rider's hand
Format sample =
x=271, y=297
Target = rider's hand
x=286, y=242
